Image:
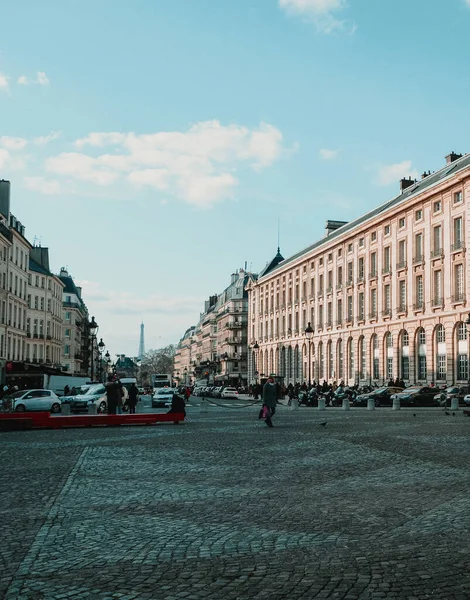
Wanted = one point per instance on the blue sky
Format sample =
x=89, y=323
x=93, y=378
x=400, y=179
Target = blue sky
x=153, y=145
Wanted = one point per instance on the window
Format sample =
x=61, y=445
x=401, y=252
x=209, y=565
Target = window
x=350, y=309
x=350, y=360
x=419, y=292
x=458, y=234
x=339, y=350
x=373, y=303
x=401, y=254
x=68, y=316
x=402, y=295
x=339, y=277
x=373, y=264
x=67, y=333
x=437, y=206
x=350, y=247
x=437, y=240
x=387, y=303
x=418, y=247
x=361, y=242
x=67, y=350
x=330, y=256
x=437, y=288
x=362, y=358
x=329, y=317
x=37, y=280
x=339, y=312
x=375, y=351
x=401, y=223
x=440, y=334
x=340, y=253
x=418, y=215
x=36, y=302
x=373, y=236
x=457, y=197
x=458, y=283
x=361, y=306
x=387, y=230
x=386, y=268
x=441, y=366
x=462, y=367
x=320, y=262
x=350, y=273
x=360, y=275
x=422, y=337
x=462, y=332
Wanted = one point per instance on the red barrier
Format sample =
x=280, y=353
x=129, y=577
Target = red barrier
x=43, y=420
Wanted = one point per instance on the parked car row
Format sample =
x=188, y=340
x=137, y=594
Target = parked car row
x=27, y=400
x=216, y=392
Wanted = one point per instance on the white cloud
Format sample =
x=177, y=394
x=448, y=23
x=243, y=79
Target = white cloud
x=82, y=167
x=319, y=12
x=45, y=139
x=22, y=80
x=12, y=163
x=41, y=78
x=328, y=154
x=196, y=165
x=43, y=185
x=4, y=82
x=12, y=143
x=387, y=174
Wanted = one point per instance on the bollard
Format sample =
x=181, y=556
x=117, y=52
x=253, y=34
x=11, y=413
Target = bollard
x=370, y=404
x=321, y=404
x=203, y=406
x=396, y=404
x=139, y=407
x=454, y=404
x=65, y=408
x=346, y=404
x=92, y=408
x=294, y=405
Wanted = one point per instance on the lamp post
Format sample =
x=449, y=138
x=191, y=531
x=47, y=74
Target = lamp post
x=101, y=347
x=186, y=376
x=308, y=334
x=93, y=327
x=255, y=360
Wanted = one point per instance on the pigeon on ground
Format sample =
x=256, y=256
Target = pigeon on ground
x=323, y=424
x=414, y=414
x=453, y=414
x=447, y=414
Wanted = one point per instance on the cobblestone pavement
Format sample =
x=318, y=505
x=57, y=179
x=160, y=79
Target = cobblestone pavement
x=372, y=505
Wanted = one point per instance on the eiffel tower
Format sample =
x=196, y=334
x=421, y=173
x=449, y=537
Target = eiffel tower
x=141, y=342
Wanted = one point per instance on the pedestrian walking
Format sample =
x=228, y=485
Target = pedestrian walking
x=133, y=398
x=113, y=394
x=269, y=399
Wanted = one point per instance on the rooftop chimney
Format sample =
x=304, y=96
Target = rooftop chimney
x=5, y=199
x=331, y=226
x=425, y=174
x=451, y=157
x=406, y=183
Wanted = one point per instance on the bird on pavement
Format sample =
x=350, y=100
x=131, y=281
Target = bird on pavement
x=453, y=414
x=323, y=424
x=447, y=414
x=414, y=414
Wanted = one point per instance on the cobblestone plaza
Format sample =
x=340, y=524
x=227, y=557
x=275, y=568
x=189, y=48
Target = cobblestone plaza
x=372, y=505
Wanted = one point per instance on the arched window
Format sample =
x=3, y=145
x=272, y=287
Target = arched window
x=350, y=359
x=362, y=357
x=405, y=356
x=271, y=362
x=289, y=363
x=331, y=369
x=375, y=357
x=321, y=361
x=421, y=354
x=389, y=354
x=462, y=352
x=296, y=364
x=339, y=354
x=441, y=354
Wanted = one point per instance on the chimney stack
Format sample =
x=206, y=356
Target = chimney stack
x=425, y=174
x=451, y=157
x=406, y=183
x=331, y=226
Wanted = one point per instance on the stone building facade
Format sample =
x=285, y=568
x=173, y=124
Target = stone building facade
x=387, y=295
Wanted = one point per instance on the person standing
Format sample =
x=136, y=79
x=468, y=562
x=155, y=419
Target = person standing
x=133, y=398
x=113, y=394
x=269, y=399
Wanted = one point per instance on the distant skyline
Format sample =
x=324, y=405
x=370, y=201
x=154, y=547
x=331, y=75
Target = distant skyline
x=153, y=146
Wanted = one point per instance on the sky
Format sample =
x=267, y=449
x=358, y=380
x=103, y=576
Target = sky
x=153, y=146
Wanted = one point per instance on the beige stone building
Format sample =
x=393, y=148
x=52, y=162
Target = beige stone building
x=387, y=294
x=44, y=314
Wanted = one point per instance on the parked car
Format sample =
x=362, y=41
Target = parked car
x=217, y=391
x=229, y=392
x=452, y=392
x=26, y=400
x=382, y=396
x=96, y=394
x=417, y=396
x=466, y=400
x=162, y=397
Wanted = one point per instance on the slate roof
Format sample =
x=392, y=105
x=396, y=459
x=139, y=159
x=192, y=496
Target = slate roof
x=37, y=268
x=70, y=287
x=273, y=264
x=417, y=188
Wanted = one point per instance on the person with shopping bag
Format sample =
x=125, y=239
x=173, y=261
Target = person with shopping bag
x=269, y=401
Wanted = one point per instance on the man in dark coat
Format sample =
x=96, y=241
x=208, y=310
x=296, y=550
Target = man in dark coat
x=133, y=398
x=113, y=394
x=178, y=406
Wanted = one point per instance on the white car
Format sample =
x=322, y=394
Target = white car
x=466, y=400
x=26, y=400
x=229, y=392
x=163, y=397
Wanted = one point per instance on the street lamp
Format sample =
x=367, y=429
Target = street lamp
x=101, y=347
x=308, y=334
x=93, y=327
x=255, y=360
